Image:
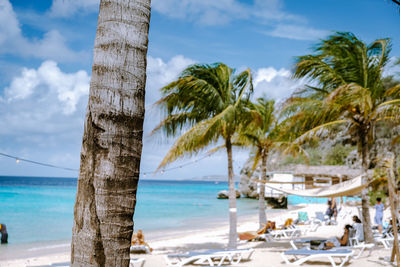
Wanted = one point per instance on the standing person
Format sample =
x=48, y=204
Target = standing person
x=379, y=207
x=332, y=210
x=4, y=234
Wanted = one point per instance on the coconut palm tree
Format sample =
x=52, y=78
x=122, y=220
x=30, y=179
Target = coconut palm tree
x=208, y=100
x=347, y=89
x=112, y=139
x=261, y=134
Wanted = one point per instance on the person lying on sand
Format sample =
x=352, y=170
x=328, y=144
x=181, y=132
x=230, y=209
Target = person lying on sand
x=250, y=235
x=138, y=240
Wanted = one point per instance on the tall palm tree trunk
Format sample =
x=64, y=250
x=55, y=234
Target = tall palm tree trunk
x=364, y=193
x=232, y=198
x=261, y=198
x=112, y=139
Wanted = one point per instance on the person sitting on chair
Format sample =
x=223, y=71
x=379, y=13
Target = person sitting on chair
x=358, y=228
x=337, y=242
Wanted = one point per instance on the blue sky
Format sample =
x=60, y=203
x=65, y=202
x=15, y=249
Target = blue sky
x=46, y=56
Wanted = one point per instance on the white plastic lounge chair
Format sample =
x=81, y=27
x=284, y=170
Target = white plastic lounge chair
x=178, y=260
x=386, y=238
x=387, y=242
x=360, y=247
x=234, y=255
x=320, y=216
x=311, y=226
x=303, y=255
x=211, y=257
x=358, y=235
x=137, y=262
x=285, y=233
x=303, y=241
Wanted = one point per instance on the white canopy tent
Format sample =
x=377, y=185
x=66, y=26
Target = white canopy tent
x=348, y=188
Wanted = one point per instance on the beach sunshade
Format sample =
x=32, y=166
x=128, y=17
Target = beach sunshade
x=348, y=188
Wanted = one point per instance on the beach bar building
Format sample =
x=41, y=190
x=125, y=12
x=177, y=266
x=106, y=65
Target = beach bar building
x=317, y=176
x=308, y=181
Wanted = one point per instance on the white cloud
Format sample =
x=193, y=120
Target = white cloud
x=45, y=82
x=393, y=69
x=9, y=26
x=44, y=108
x=210, y=12
x=267, y=12
x=160, y=73
x=42, y=116
x=46, y=100
x=276, y=84
x=297, y=32
x=67, y=8
x=23, y=86
x=205, y=12
x=51, y=46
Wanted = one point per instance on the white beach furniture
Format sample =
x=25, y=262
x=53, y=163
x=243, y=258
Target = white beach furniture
x=289, y=233
x=359, y=247
x=139, y=262
x=210, y=257
x=179, y=260
x=303, y=255
x=387, y=242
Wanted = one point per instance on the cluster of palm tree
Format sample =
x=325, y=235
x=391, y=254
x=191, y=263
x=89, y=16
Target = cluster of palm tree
x=209, y=103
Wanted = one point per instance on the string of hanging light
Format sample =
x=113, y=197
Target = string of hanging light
x=19, y=159
x=176, y=167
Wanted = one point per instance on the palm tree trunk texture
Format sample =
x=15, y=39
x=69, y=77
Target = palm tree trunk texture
x=364, y=193
x=392, y=195
x=261, y=198
x=232, y=198
x=112, y=139
x=395, y=151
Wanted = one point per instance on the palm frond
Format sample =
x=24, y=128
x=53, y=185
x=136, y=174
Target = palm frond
x=215, y=149
x=317, y=131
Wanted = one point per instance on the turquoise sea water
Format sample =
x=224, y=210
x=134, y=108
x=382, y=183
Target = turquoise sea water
x=39, y=209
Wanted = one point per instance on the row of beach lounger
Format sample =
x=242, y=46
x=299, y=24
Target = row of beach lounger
x=300, y=253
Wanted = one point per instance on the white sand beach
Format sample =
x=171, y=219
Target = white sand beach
x=216, y=237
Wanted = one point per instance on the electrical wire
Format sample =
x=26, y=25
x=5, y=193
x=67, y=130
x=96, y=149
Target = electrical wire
x=37, y=162
x=18, y=159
